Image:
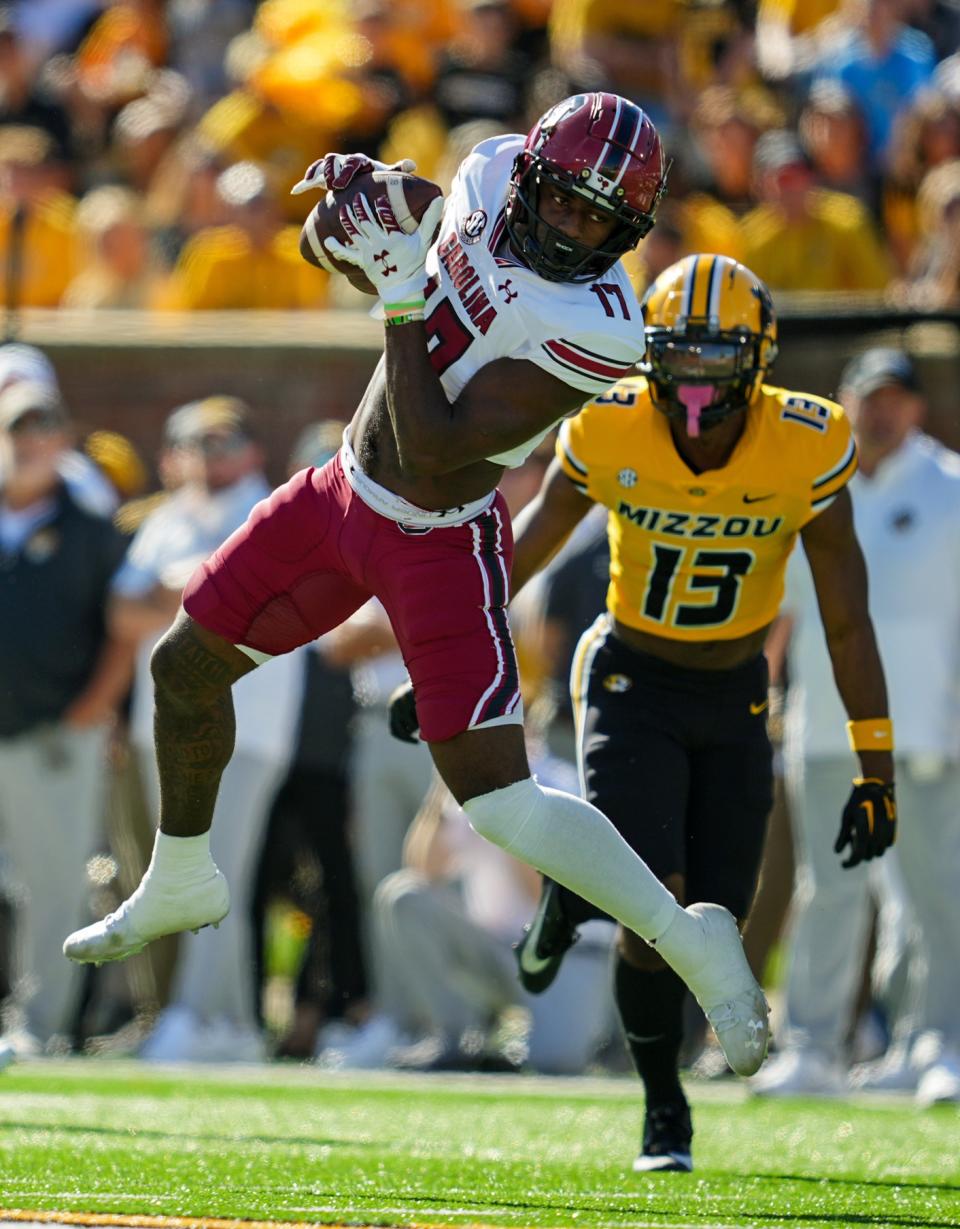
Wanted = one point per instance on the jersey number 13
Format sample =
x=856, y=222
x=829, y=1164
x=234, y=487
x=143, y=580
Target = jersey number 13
x=723, y=571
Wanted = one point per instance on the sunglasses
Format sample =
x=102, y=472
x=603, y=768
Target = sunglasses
x=36, y=422
x=217, y=445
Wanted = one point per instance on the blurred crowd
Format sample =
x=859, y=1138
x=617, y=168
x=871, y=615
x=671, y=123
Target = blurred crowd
x=147, y=147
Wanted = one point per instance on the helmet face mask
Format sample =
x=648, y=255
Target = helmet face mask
x=727, y=363
x=601, y=148
x=711, y=338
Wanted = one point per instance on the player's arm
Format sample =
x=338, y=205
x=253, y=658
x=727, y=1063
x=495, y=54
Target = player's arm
x=840, y=578
x=503, y=405
x=546, y=522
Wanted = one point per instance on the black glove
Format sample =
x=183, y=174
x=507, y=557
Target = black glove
x=869, y=821
x=404, y=723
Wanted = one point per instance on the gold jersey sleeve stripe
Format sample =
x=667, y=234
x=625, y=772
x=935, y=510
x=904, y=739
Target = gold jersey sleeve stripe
x=848, y=458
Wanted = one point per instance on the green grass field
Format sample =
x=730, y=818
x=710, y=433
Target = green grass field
x=292, y=1144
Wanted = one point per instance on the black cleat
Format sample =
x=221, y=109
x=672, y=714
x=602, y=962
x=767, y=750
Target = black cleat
x=667, y=1132
x=545, y=941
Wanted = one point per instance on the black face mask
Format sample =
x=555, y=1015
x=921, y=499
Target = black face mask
x=550, y=253
x=676, y=366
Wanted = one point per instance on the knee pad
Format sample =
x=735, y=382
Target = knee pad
x=501, y=815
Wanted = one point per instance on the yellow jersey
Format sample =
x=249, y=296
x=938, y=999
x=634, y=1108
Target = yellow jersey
x=836, y=247
x=703, y=556
x=219, y=269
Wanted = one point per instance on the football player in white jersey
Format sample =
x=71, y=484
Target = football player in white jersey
x=514, y=315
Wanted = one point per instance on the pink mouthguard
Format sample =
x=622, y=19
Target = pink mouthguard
x=694, y=398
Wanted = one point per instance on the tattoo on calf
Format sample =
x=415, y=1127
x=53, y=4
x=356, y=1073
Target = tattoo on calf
x=194, y=728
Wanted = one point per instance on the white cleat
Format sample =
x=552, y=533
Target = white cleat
x=148, y=914
x=939, y=1084
x=723, y=984
x=799, y=1073
x=7, y=1054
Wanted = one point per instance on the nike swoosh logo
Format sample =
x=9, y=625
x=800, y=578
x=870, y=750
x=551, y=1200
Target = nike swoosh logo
x=530, y=962
x=757, y=499
x=756, y=709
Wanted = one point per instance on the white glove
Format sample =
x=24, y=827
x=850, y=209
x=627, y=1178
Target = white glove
x=333, y=172
x=392, y=260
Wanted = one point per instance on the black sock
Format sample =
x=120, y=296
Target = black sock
x=651, y=1011
x=577, y=910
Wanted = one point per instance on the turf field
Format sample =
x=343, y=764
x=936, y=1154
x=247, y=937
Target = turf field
x=292, y=1144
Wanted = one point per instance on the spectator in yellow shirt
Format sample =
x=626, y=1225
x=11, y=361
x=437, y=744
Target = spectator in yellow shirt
x=802, y=237
x=253, y=262
x=143, y=134
x=631, y=49
x=119, y=270
x=38, y=243
x=727, y=124
x=834, y=138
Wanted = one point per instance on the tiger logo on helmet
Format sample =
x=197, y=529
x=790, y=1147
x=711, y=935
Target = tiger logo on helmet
x=711, y=337
x=607, y=150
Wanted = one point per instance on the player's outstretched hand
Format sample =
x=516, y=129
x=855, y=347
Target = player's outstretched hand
x=391, y=259
x=869, y=822
x=402, y=709
x=334, y=172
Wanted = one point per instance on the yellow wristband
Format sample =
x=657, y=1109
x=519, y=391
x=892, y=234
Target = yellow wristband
x=871, y=734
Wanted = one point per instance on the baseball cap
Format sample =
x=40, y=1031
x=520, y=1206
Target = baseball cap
x=22, y=362
x=30, y=397
x=878, y=368
x=831, y=97
x=242, y=184
x=218, y=414
x=776, y=150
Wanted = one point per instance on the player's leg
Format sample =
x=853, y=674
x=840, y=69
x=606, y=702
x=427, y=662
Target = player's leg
x=452, y=628
x=731, y=794
x=634, y=764
x=278, y=582
x=572, y=842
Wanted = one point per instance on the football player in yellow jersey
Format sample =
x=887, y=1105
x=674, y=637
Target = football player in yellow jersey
x=709, y=475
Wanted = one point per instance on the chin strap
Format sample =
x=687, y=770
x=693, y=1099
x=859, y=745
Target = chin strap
x=694, y=398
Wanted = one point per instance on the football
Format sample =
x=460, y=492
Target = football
x=409, y=197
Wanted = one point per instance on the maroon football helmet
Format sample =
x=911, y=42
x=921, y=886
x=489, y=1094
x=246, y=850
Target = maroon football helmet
x=604, y=148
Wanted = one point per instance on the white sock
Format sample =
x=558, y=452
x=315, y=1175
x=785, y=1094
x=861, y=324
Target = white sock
x=572, y=842
x=179, y=860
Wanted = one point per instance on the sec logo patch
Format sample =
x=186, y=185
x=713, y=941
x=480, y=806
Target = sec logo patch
x=473, y=225
x=627, y=477
x=617, y=683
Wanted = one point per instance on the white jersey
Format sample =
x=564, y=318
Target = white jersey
x=484, y=304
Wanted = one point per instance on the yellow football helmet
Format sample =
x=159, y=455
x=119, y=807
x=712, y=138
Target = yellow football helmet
x=711, y=336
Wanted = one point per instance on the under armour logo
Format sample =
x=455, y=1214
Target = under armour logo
x=383, y=257
x=508, y=294
x=755, y=1040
